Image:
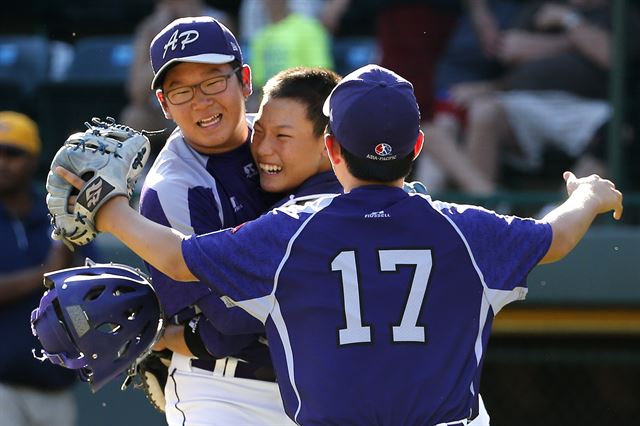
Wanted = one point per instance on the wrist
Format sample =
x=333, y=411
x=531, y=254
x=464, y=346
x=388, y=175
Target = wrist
x=588, y=198
x=109, y=211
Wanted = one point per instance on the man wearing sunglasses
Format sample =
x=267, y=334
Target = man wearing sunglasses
x=203, y=180
x=31, y=392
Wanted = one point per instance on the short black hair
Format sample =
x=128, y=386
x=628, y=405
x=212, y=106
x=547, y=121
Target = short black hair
x=237, y=64
x=308, y=85
x=376, y=171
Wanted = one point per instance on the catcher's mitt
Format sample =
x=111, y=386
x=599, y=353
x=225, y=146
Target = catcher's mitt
x=152, y=373
x=110, y=158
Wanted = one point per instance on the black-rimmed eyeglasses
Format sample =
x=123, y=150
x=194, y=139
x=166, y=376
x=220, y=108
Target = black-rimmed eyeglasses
x=211, y=86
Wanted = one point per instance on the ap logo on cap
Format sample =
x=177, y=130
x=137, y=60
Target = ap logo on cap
x=183, y=38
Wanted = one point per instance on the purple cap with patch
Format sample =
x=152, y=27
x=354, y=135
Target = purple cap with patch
x=199, y=39
x=373, y=114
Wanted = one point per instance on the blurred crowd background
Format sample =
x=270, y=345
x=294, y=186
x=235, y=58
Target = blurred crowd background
x=511, y=92
x=509, y=95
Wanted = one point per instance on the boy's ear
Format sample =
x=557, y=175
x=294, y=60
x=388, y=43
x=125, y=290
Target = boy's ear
x=333, y=149
x=162, y=100
x=247, y=87
x=419, y=144
x=325, y=150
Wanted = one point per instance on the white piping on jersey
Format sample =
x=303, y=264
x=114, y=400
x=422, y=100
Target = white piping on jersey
x=276, y=314
x=482, y=321
x=305, y=199
x=258, y=307
x=176, y=163
x=265, y=306
x=312, y=205
x=216, y=196
x=283, y=332
x=497, y=298
x=202, y=160
x=484, y=305
x=261, y=307
x=488, y=295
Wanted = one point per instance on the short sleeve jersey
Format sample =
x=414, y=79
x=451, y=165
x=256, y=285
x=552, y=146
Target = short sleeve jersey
x=194, y=194
x=377, y=304
x=25, y=244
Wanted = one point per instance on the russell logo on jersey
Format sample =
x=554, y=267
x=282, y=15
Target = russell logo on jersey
x=377, y=215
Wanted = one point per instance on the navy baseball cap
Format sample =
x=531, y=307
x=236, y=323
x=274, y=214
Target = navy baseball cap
x=373, y=114
x=199, y=39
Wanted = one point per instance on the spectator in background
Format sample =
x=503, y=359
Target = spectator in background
x=553, y=94
x=292, y=39
x=32, y=393
x=143, y=111
x=465, y=72
x=350, y=18
x=351, y=24
x=557, y=95
x=412, y=35
x=253, y=17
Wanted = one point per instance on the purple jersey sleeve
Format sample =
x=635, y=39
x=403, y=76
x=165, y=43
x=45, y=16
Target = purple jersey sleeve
x=504, y=248
x=173, y=295
x=248, y=277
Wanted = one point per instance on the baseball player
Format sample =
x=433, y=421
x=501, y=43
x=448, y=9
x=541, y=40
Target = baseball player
x=377, y=304
x=204, y=180
x=288, y=146
x=288, y=135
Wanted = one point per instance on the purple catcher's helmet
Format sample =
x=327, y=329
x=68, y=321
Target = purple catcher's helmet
x=100, y=319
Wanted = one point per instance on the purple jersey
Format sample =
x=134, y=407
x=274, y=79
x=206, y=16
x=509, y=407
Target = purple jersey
x=377, y=304
x=318, y=185
x=196, y=193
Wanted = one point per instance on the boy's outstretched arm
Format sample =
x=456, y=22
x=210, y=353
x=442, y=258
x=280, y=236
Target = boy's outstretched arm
x=588, y=197
x=157, y=244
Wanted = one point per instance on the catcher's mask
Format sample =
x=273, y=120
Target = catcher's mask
x=99, y=319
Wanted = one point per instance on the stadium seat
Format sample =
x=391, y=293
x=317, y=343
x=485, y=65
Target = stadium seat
x=24, y=60
x=12, y=97
x=101, y=59
x=66, y=20
x=63, y=107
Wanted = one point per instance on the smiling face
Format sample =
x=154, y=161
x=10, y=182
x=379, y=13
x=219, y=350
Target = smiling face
x=211, y=124
x=284, y=145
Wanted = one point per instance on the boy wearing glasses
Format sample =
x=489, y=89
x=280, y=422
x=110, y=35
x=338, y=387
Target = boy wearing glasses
x=203, y=180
